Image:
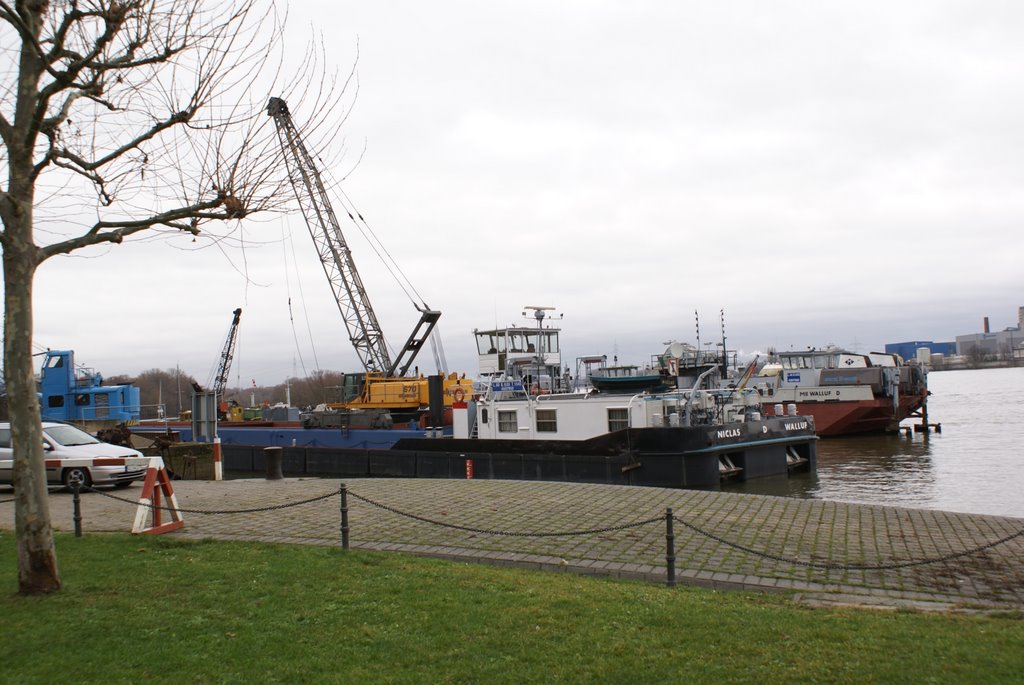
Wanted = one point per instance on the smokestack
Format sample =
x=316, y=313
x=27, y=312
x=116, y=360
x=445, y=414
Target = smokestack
x=1020, y=318
x=986, y=324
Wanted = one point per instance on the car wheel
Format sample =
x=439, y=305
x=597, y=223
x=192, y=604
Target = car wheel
x=76, y=473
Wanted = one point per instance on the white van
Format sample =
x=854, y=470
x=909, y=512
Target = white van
x=64, y=441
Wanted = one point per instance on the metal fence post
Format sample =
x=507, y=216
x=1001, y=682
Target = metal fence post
x=670, y=550
x=76, y=500
x=344, y=515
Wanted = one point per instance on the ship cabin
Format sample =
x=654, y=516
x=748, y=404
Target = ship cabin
x=686, y=363
x=531, y=355
x=77, y=394
x=832, y=366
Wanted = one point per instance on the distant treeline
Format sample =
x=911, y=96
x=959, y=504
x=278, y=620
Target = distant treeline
x=173, y=389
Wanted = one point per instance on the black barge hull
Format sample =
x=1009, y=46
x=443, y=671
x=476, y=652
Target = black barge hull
x=697, y=457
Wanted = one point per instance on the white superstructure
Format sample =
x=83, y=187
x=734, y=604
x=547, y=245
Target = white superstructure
x=506, y=411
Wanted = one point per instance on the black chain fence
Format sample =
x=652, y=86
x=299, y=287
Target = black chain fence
x=503, y=533
x=202, y=512
x=49, y=488
x=344, y=493
x=832, y=566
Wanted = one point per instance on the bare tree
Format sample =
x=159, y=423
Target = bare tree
x=160, y=391
x=975, y=356
x=141, y=112
x=319, y=386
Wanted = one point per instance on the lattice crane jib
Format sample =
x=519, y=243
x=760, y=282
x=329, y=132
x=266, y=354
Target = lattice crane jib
x=220, y=381
x=360, y=320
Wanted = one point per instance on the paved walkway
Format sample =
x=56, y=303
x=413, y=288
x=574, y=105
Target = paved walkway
x=774, y=531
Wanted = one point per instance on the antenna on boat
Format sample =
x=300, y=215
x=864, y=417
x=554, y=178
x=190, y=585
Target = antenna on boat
x=539, y=313
x=696, y=320
x=725, y=353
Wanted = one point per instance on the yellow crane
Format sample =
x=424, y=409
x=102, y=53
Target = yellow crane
x=384, y=383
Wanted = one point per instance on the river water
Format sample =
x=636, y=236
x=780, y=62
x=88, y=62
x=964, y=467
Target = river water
x=975, y=464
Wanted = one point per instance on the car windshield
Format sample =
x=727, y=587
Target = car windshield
x=69, y=436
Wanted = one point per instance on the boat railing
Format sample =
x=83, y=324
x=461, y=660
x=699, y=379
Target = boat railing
x=624, y=371
x=560, y=396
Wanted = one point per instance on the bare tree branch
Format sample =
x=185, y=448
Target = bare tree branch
x=86, y=165
x=121, y=117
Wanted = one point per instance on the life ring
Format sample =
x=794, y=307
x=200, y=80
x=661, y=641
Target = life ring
x=460, y=394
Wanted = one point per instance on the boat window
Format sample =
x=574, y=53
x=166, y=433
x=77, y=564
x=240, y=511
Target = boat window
x=5, y=437
x=102, y=402
x=547, y=422
x=490, y=343
x=551, y=341
x=507, y=422
x=55, y=401
x=483, y=415
x=485, y=343
x=516, y=342
x=618, y=419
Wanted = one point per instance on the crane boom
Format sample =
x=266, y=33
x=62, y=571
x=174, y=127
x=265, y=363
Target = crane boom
x=360, y=320
x=335, y=255
x=220, y=382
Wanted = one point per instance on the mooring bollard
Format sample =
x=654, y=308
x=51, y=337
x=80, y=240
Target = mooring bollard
x=76, y=501
x=670, y=550
x=344, y=516
x=273, y=457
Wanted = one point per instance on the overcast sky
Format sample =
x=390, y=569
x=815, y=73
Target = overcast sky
x=828, y=172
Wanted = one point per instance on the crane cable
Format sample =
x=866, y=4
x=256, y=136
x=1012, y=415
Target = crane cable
x=374, y=242
x=385, y=257
x=291, y=317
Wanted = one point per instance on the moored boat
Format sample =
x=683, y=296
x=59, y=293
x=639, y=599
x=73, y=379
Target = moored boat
x=679, y=438
x=626, y=378
x=522, y=422
x=845, y=392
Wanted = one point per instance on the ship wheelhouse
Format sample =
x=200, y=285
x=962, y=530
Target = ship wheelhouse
x=531, y=355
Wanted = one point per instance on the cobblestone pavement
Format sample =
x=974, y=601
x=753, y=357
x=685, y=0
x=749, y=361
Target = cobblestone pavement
x=817, y=550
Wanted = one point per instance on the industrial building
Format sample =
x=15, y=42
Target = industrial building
x=909, y=350
x=1005, y=344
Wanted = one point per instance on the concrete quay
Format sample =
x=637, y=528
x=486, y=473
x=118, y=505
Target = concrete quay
x=815, y=550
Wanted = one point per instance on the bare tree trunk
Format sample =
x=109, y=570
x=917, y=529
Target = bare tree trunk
x=111, y=100
x=37, y=559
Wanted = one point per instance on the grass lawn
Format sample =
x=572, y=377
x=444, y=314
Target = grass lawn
x=156, y=609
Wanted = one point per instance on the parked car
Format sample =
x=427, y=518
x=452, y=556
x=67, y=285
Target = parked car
x=64, y=441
